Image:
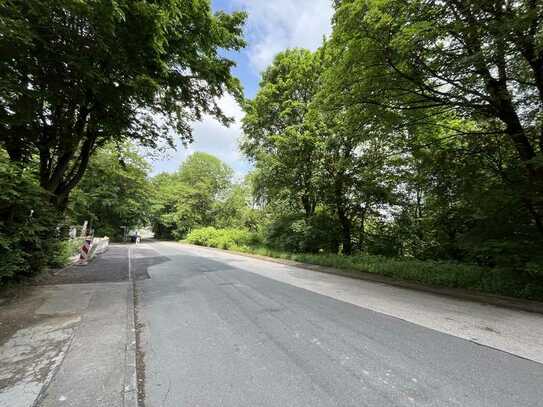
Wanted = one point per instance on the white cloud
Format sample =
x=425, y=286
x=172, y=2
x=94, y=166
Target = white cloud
x=272, y=26
x=275, y=25
x=212, y=137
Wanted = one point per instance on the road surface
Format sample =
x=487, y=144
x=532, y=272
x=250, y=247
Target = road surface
x=224, y=330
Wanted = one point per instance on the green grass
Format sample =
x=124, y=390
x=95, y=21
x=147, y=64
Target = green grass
x=66, y=249
x=433, y=273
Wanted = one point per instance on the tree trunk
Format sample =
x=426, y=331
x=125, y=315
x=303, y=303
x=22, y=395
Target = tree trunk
x=345, y=224
x=60, y=201
x=344, y=220
x=308, y=205
x=68, y=171
x=362, y=234
x=533, y=196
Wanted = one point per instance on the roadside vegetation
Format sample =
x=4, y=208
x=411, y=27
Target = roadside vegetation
x=435, y=273
x=235, y=239
x=81, y=81
x=410, y=144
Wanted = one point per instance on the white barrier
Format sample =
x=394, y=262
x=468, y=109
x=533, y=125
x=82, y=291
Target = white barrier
x=99, y=245
x=92, y=247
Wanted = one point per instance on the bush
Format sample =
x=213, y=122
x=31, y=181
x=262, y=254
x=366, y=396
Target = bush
x=65, y=250
x=304, y=235
x=28, y=224
x=221, y=238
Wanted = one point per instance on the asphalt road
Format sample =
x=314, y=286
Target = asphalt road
x=217, y=335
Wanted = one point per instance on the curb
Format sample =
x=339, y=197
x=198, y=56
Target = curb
x=458, y=293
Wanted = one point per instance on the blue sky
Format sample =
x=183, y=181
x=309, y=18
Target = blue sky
x=272, y=26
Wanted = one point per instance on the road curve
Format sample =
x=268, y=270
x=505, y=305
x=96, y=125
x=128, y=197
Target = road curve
x=216, y=335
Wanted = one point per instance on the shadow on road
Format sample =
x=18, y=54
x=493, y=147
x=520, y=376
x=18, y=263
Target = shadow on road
x=109, y=267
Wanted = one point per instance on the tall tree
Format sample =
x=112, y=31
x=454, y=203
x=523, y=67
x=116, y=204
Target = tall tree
x=481, y=59
x=352, y=178
x=275, y=136
x=188, y=198
x=114, y=192
x=76, y=74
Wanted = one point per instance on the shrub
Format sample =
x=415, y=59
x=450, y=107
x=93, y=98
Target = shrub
x=221, y=238
x=304, y=235
x=65, y=250
x=28, y=224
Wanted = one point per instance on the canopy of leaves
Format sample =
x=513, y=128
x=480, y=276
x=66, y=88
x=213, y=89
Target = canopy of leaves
x=199, y=194
x=275, y=135
x=480, y=60
x=114, y=192
x=76, y=74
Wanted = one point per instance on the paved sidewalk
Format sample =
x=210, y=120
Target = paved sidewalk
x=77, y=348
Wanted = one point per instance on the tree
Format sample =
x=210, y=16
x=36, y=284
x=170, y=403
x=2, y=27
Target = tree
x=28, y=234
x=483, y=60
x=310, y=156
x=114, y=192
x=187, y=199
x=164, y=197
x=352, y=176
x=78, y=74
x=275, y=137
x=236, y=210
x=206, y=173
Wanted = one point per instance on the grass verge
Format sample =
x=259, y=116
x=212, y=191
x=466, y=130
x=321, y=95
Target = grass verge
x=432, y=273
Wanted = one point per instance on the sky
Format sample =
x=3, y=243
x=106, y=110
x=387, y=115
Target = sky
x=272, y=26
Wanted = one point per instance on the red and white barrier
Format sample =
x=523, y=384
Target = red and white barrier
x=84, y=252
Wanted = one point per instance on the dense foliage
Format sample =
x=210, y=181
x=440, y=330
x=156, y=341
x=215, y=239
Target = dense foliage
x=414, y=131
x=114, y=193
x=28, y=223
x=77, y=76
x=199, y=194
x=221, y=238
x=481, y=60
